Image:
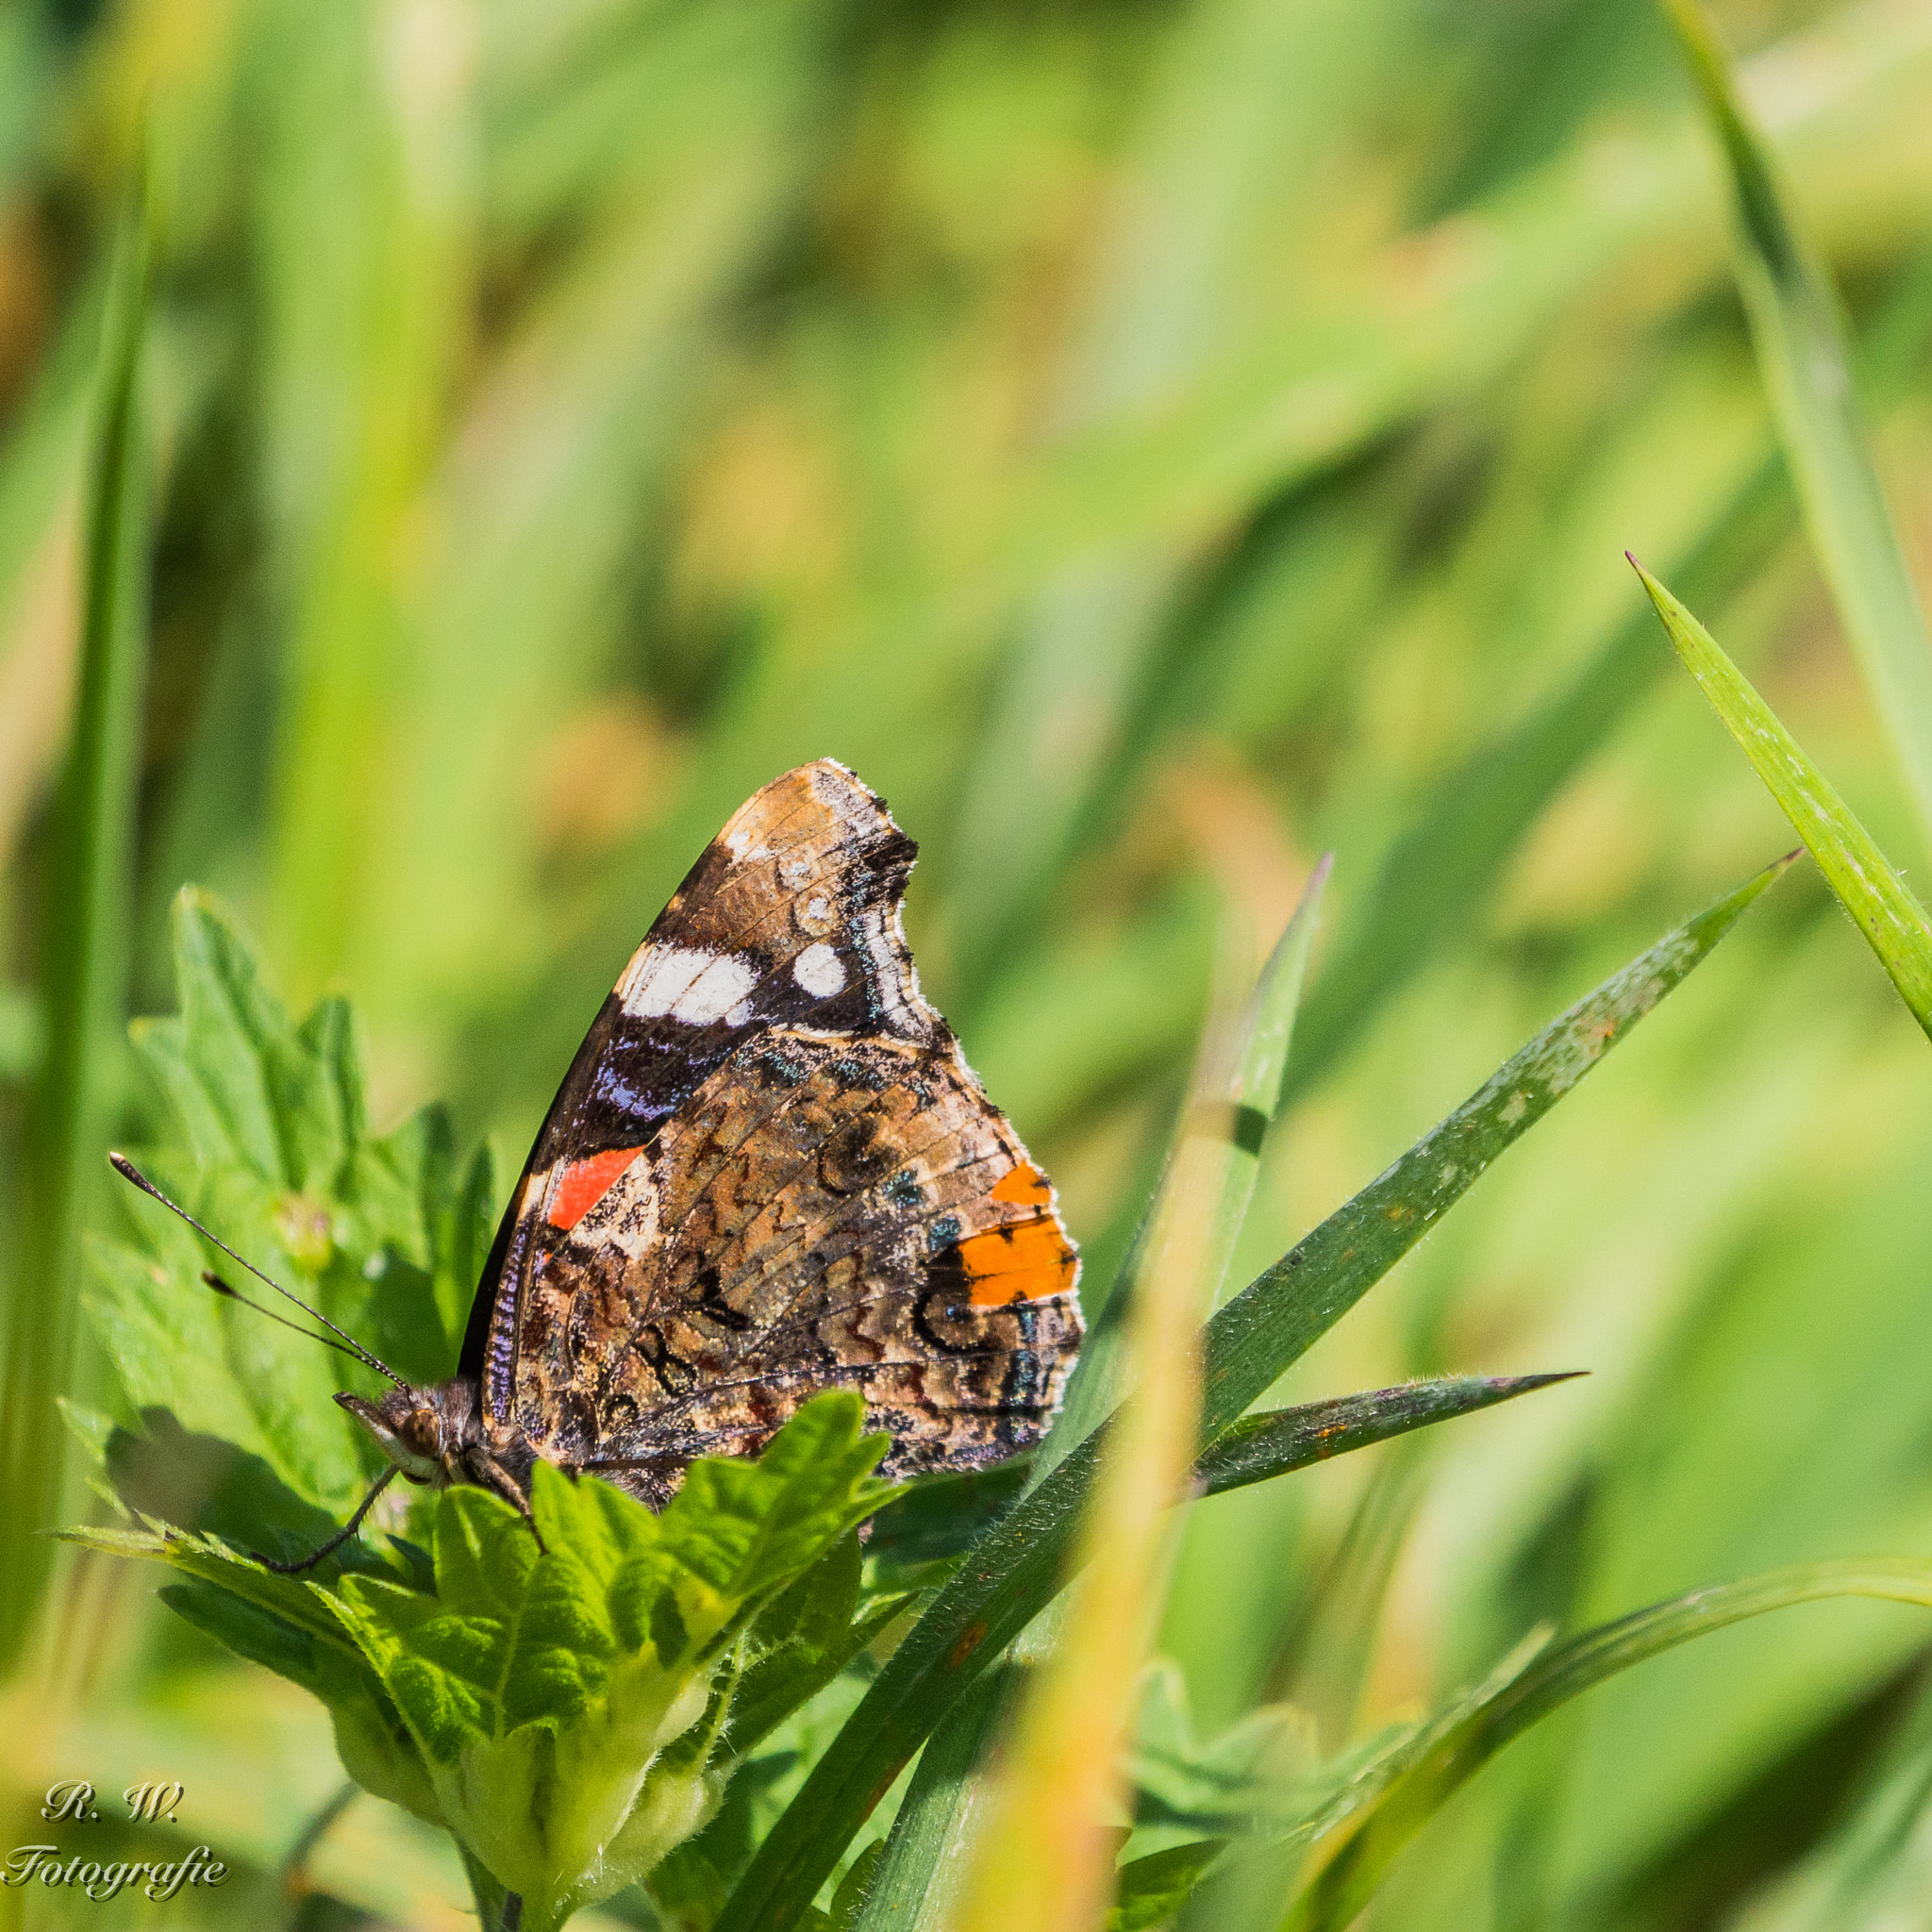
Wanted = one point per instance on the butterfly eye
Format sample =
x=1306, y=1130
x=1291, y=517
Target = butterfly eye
x=422, y=1431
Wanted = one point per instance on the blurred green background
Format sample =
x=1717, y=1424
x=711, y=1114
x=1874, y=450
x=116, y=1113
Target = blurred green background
x=1153, y=443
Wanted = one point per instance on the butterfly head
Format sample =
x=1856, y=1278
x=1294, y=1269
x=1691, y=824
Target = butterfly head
x=423, y=1431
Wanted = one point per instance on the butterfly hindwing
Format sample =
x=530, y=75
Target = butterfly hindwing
x=770, y=1171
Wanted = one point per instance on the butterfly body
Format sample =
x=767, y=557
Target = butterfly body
x=769, y=1170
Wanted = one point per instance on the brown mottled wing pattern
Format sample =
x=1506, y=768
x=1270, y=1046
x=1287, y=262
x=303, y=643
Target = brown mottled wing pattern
x=769, y=1171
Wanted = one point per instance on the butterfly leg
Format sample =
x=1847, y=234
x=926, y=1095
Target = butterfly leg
x=335, y=1542
x=491, y=1475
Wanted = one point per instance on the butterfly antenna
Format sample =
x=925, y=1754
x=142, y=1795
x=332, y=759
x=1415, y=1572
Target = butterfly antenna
x=349, y=1345
x=234, y=1294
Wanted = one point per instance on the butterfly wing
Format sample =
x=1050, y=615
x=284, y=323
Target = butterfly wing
x=770, y=1171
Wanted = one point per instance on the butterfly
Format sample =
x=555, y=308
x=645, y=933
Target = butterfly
x=769, y=1170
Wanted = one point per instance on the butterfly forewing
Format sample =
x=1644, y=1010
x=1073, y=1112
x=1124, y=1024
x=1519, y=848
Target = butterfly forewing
x=770, y=1171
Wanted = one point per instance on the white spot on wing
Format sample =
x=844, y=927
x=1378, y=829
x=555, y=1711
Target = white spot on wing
x=820, y=971
x=658, y=978
x=721, y=991
x=685, y=984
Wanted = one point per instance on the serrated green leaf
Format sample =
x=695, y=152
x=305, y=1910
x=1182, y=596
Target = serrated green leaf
x=565, y=1714
x=563, y=1703
x=379, y=1233
x=1016, y=1568
x=1802, y=349
x=1882, y=906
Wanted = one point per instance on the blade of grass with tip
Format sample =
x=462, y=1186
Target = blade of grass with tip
x=1270, y=1444
x=1286, y=1310
x=1881, y=905
x=1800, y=333
x=1014, y=1570
x=85, y=962
x=1396, y=1794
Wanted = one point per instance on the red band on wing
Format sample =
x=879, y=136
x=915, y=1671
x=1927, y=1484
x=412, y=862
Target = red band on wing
x=583, y=1184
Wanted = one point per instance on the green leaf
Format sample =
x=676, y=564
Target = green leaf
x=545, y=1692
x=1800, y=333
x=567, y=1715
x=1401, y=1788
x=165, y=1473
x=379, y=1233
x=803, y=1639
x=938, y=1517
x=289, y=1625
x=1881, y=905
x=1016, y=1568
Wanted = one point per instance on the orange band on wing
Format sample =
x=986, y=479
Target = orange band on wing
x=583, y=1184
x=1022, y=1263
x=1024, y=1187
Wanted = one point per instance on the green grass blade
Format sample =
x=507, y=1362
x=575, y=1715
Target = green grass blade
x=1271, y=1444
x=85, y=957
x=1881, y=904
x=1398, y=1794
x=1014, y=1571
x=1800, y=334
x=1285, y=1310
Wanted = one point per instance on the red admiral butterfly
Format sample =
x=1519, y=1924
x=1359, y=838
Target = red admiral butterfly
x=769, y=1170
